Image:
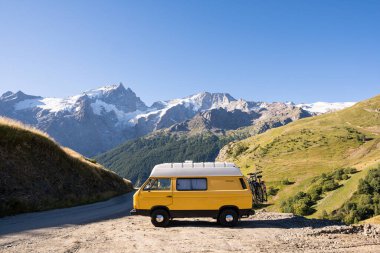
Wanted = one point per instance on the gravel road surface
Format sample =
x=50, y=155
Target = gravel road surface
x=106, y=227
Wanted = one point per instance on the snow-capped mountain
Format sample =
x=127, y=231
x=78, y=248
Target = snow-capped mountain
x=99, y=119
x=324, y=107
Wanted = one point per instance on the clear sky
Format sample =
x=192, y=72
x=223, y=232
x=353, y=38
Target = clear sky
x=301, y=51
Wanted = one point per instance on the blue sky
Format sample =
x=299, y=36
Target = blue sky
x=302, y=51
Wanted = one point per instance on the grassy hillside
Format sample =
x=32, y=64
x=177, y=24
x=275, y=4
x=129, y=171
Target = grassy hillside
x=364, y=203
x=303, y=150
x=37, y=174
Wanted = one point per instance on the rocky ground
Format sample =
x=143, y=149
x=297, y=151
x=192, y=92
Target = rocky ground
x=264, y=232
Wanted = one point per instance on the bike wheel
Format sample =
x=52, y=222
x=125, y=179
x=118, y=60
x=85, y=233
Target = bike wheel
x=260, y=194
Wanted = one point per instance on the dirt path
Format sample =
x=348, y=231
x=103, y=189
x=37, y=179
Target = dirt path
x=264, y=232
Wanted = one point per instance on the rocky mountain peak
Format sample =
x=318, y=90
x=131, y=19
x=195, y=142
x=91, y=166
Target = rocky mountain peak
x=16, y=97
x=207, y=100
x=117, y=95
x=6, y=94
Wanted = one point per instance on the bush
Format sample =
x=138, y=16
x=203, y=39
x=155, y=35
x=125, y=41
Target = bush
x=329, y=185
x=364, y=187
x=272, y=191
x=338, y=174
x=239, y=149
x=286, y=182
x=300, y=204
x=350, y=171
x=315, y=193
x=365, y=202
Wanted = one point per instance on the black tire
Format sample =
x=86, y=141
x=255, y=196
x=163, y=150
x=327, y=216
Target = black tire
x=255, y=197
x=265, y=196
x=260, y=194
x=162, y=214
x=227, y=213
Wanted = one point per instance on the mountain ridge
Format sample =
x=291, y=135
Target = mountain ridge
x=100, y=119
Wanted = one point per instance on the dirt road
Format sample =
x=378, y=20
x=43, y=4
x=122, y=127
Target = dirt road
x=117, y=232
x=113, y=208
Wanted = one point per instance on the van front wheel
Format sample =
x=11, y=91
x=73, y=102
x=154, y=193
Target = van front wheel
x=228, y=218
x=160, y=218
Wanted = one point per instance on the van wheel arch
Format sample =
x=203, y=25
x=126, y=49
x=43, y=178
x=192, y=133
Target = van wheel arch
x=229, y=207
x=160, y=208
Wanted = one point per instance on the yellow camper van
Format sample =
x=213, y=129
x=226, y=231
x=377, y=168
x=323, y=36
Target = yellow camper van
x=179, y=190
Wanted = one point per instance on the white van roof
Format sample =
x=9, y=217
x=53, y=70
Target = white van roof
x=190, y=169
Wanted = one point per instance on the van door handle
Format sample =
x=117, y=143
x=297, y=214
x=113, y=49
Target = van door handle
x=169, y=196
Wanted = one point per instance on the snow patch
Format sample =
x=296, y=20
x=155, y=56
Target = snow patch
x=95, y=93
x=50, y=104
x=100, y=107
x=58, y=104
x=27, y=103
x=324, y=107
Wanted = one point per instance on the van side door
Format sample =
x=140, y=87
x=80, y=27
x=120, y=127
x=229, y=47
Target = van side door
x=191, y=194
x=157, y=192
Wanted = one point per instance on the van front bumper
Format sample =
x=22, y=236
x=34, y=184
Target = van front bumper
x=140, y=212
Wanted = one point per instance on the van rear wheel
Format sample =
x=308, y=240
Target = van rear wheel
x=160, y=218
x=228, y=218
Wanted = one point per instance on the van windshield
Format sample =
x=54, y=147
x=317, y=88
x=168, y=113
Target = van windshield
x=158, y=184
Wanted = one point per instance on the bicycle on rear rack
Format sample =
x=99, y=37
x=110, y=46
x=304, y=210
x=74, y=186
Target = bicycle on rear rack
x=258, y=187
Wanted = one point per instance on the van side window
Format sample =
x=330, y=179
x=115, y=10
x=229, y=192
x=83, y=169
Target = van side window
x=243, y=185
x=158, y=184
x=191, y=184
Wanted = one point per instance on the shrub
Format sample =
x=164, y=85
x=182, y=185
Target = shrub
x=350, y=170
x=364, y=187
x=329, y=185
x=286, y=182
x=300, y=204
x=365, y=202
x=272, y=191
x=337, y=175
x=315, y=192
x=239, y=149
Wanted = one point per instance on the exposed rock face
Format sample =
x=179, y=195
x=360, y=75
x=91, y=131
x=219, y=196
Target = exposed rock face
x=243, y=114
x=98, y=120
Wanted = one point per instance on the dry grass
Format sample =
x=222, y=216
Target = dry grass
x=36, y=173
x=17, y=125
x=373, y=220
